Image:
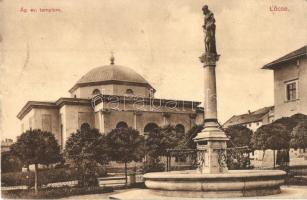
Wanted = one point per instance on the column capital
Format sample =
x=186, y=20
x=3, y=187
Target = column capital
x=166, y=115
x=138, y=113
x=192, y=115
x=209, y=59
x=105, y=111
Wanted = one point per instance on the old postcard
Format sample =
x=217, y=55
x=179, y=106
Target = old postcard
x=153, y=99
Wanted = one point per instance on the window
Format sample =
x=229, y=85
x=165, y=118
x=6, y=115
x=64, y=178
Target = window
x=291, y=91
x=121, y=125
x=85, y=127
x=46, y=123
x=179, y=130
x=129, y=91
x=96, y=92
x=85, y=117
x=150, y=127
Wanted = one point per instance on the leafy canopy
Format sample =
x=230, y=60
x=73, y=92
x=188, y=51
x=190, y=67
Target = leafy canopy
x=239, y=136
x=161, y=139
x=299, y=136
x=188, y=142
x=125, y=145
x=86, y=148
x=87, y=144
x=271, y=136
x=37, y=147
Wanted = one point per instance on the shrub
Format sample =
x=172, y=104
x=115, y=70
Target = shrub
x=10, y=163
x=52, y=193
x=153, y=167
x=238, y=160
x=86, y=149
x=45, y=176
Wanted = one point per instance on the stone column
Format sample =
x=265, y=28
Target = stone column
x=192, y=119
x=101, y=122
x=211, y=142
x=166, y=116
x=103, y=114
x=135, y=114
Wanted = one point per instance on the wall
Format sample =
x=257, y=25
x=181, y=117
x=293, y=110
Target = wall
x=25, y=122
x=111, y=119
x=34, y=120
x=54, y=115
x=288, y=72
x=137, y=90
x=140, y=106
x=71, y=121
x=86, y=92
x=111, y=89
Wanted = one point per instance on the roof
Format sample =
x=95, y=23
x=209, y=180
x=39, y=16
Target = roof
x=147, y=101
x=51, y=105
x=106, y=98
x=111, y=74
x=255, y=116
x=301, y=52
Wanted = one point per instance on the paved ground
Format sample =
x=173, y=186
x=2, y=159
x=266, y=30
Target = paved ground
x=288, y=192
x=99, y=196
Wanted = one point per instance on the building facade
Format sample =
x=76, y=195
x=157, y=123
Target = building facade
x=6, y=144
x=252, y=120
x=109, y=97
x=290, y=83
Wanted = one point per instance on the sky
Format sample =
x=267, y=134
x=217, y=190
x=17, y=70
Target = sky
x=43, y=54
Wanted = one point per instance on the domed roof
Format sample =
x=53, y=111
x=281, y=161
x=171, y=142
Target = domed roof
x=109, y=74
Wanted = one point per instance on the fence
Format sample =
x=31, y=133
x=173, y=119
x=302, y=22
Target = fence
x=236, y=158
x=113, y=181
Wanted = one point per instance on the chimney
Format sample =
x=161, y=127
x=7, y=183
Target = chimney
x=249, y=112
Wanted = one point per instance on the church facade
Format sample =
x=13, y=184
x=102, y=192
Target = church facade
x=109, y=97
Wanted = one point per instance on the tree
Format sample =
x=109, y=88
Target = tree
x=273, y=136
x=10, y=162
x=159, y=140
x=188, y=142
x=86, y=149
x=36, y=147
x=299, y=136
x=239, y=136
x=291, y=122
x=126, y=145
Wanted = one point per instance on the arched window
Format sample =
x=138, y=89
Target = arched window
x=96, y=92
x=129, y=92
x=150, y=127
x=121, y=125
x=85, y=126
x=180, y=130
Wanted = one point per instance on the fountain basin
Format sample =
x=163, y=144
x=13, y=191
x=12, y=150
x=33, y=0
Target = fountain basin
x=234, y=183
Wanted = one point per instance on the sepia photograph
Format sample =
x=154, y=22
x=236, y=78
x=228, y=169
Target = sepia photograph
x=153, y=99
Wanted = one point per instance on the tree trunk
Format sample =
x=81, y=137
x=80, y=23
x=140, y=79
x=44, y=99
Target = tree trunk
x=35, y=178
x=126, y=174
x=274, y=159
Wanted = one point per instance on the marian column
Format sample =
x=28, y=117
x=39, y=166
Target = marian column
x=211, y=142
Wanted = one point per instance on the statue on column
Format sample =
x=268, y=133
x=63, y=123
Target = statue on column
x=209, y=30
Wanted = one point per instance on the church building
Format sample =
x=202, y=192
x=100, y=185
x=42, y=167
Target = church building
x=109, y=97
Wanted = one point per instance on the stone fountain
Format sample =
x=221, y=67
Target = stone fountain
x=212, y=178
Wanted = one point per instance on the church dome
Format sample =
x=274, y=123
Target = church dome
x=111, y=74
